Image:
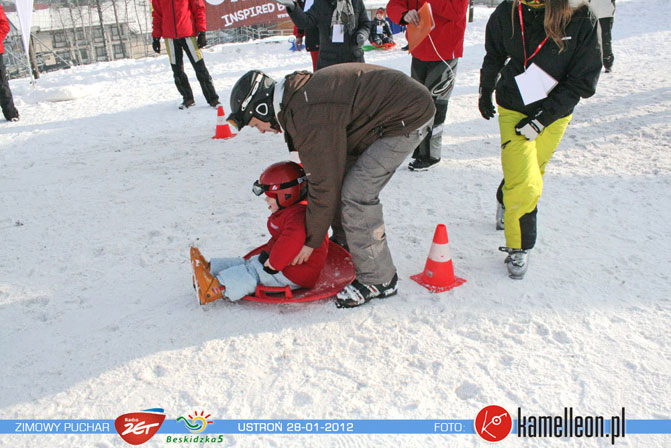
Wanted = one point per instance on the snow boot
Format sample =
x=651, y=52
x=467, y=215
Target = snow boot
x=517, y=262
x=187, y=103
x=423, y=164
x=196, y=255
x=500, y=211
x=357, y=293
x=207, y=286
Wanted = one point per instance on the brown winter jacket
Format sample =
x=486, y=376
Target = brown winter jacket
x=335, y=114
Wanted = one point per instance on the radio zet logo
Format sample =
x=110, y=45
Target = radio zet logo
x=493, y=423
x=138, y=427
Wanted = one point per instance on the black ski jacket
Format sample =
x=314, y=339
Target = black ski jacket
x=576, y=68
x=311, y=34
x=319, y=16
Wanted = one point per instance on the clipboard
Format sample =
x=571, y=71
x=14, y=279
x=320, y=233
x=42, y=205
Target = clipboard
x=417, y=33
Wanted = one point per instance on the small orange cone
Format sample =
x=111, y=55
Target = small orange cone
x=223, y=128
x=438, y=275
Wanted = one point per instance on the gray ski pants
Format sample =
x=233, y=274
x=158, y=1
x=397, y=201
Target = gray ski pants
x=362, y=218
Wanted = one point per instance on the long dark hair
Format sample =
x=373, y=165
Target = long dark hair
x=558, y=14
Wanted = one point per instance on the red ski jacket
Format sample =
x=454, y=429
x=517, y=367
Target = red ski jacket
x=287, y=231
x=174, y=19
x=4, y=29
x=447, y=36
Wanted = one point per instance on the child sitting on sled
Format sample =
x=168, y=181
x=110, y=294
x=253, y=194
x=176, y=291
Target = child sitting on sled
x=380, y=32
x=285, y=186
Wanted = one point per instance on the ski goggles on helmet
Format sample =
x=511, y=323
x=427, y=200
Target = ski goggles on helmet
x=241, y=117
x=258, y=188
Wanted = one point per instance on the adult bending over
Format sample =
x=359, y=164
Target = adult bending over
x=352, y=125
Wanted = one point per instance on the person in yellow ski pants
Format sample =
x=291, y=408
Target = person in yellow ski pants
x=523, y=162
x=531, y=45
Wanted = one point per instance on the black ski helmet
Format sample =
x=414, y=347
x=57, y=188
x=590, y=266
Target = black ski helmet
x=252, y=96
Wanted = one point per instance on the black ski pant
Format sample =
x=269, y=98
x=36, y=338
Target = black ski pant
x=6, y=99
x=176, y=49
x=606, y=25
x=438, y=77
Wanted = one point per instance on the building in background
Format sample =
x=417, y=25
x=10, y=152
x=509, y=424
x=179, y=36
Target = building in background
x=81, y=32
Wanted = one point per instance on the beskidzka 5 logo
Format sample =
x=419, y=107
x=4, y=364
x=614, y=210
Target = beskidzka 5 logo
x=493, y=423
x=198, y=421
x=138, y=427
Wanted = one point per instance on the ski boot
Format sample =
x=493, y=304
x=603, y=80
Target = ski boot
x=500, y=211
x=517, y=262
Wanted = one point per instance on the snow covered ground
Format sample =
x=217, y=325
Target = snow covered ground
x=103, y=192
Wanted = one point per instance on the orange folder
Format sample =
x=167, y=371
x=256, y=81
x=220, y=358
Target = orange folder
x=417, y=33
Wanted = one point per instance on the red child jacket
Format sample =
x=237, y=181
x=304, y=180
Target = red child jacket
x=287, y=232
x=174, y=19
x=4, y=29
x=447, y=36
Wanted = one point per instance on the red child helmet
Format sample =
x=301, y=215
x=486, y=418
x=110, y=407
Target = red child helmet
x=284, y=181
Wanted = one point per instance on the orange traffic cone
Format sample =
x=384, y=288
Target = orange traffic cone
x=438, y=275
x=223, y=128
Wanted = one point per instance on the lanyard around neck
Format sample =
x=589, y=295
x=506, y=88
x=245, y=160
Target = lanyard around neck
x=524, y=44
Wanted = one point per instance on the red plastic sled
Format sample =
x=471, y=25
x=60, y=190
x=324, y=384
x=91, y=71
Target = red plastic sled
x=337, y=273
x=386, y=46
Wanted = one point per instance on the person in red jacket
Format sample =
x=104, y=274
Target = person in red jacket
x=181, y=23
x=434, y=63
x=285, y=186
x=6, y=99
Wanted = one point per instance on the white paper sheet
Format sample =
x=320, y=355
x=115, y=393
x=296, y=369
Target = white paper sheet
x=534, y=84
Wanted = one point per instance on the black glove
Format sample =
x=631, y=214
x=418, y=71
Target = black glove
x=270, y=271
x=485, y=104
x=202, y=40
x=530, y=127
x=263, y=257
x=156, y=44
